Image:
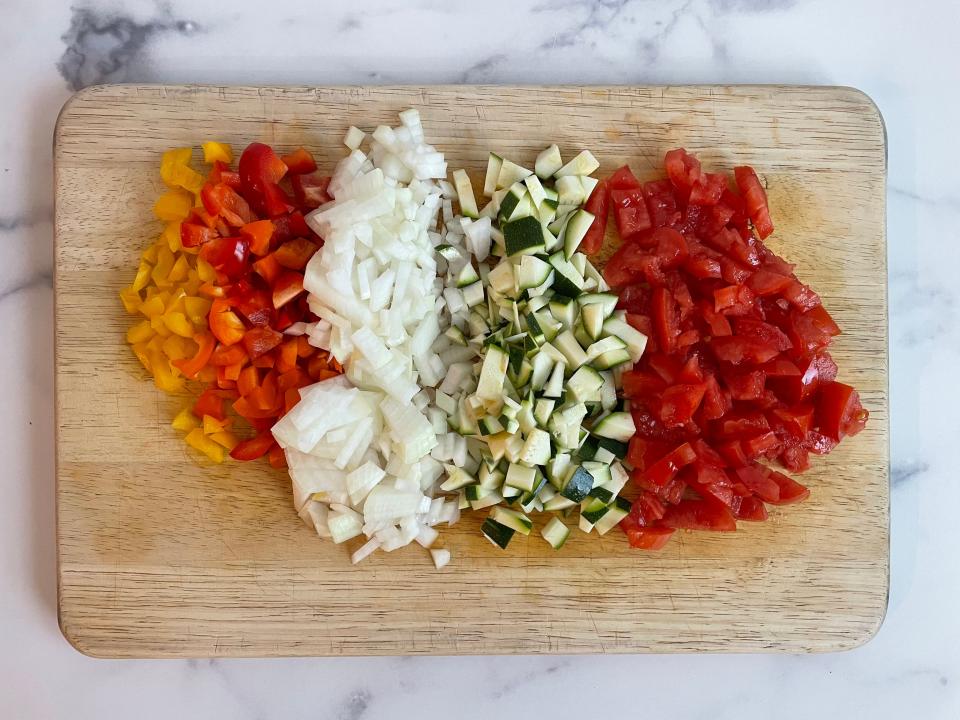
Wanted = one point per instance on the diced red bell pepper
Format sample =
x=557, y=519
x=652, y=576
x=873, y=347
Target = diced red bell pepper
x=193, y=235
x=260, y=168
x=286, y=287
x=224, y=201
x=228, y=255
x=210, y=403
x=310, y=191
x=261, y=340
x=254, y=448
x=278, y=459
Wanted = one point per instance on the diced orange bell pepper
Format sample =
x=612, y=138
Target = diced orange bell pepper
x=191, y=367
x=304, y=348
x=232, y=372
x=299, y=162
x=295, y=254
x=255, y=447
x=293, y=379
x=290, y=398
x=268, y=268
x=277, y=457
x=228, y=355
x=260, y=340
x=209, y=403
x=248, y=381
x=259, y=234
x=287, y=357
x=286, y=287
x=224, y=323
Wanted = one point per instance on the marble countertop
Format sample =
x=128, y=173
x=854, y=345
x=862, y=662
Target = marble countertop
x=905, y=56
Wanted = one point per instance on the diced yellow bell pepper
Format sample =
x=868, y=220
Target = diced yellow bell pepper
x=143, y=275
x=160, y=327
x=141, y=332
x=165, y=377
x=177, y=323
x=213, y=151
x=189, y=179
x=205, y=271
x=171, y=236
x=179, y=270
x=172, y=161
x=161, y=271
x=211, y=425
x=178, y=348
x=196, y=439
x=173, y=205
x=191, y=287
x=185, y=421
x=226, y=439
x=131, y=300
x=152, y=307
x=143, y=355
x=197, y=309
x=150, y=254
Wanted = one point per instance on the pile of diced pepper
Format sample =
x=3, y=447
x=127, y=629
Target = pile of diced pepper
x=221, y=297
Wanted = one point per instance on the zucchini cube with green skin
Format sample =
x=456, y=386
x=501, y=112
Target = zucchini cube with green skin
x=468, y=202
x=512, y=519
x=494, y=163
x=523, y=236
x=578, y=485
x=616, y=512
x=521, y=477
x=548, y=162
x=497, y=533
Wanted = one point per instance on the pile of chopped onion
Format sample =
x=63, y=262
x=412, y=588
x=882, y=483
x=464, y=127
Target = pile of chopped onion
x=359, y=446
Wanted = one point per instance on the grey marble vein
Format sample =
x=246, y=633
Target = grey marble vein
x=43, y=279
x=103, y=46
x=11, y=223
x=902, y=473
x=355, y=706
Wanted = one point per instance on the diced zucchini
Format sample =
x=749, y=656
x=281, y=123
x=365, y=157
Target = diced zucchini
x=468, y=203
x=567, y=344
x=489, y=425
x=584, y=385
x=558, y=502
x=615, y=447
x=456, y=479
x=532, y=272
x=592, y=317
x=523, y=236
x=543, y=410
x=535, y=188
x=555, y=533
x=571, y=191
x=473, y=294
x=493, y=373
x=497, y=533
x=521, y=476
x=511, y=173
x=467, y=276
x=516, y=203
x=455, y=335
x=554, y=386
x=635, y=340
x=512, y=519
x=548, y=162
x=616, y=426
x=557, y=469
x=593, y=510
x=616, y=512
x=583, y=164
x=602, y=494
x=494, y=163
x=536, y=448
x=578, y=484
x=567, y=281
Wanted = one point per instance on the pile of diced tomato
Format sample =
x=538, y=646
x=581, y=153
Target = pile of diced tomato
x=220, y=288
x=736, y=374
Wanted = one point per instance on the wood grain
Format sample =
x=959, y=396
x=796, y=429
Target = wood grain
x=162, y=556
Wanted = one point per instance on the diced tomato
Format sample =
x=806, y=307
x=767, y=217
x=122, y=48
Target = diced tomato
x=749, y=508
x=742, y=425
x=716, y=403
x=666, y=468
x=678, y=403
x=800, y=295
x=623, y=179
x=664, y=315
x=704, y=514
x=708, y=189
x=796, y=420
x=790, y=490
x=635, y=299
x=639, y=383
x=630, y=212
x=737, y=350
x=299, y=162
x=661, y=203
x=598, y=205
x=671, y=247
x=756, y=200
x=745, y=385
x=764, y=282
x=702, y=267
x=812, y=330
x=759, y=445
x=683, y=169
x=839, y=412
x=795, y=459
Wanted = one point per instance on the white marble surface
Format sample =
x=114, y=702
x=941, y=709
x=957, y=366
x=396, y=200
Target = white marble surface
x=905, y=55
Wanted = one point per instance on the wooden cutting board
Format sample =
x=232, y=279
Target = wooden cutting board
x=160, y=555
